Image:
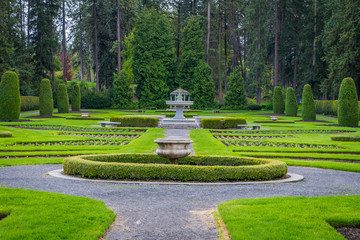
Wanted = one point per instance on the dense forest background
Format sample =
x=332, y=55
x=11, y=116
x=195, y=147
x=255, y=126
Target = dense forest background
x=151, y=47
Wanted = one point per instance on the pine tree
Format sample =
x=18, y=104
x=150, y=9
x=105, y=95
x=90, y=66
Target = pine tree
x=204, y=88
x=154, y=59
x=122, y=93
x=235, y=97
x=192, y=48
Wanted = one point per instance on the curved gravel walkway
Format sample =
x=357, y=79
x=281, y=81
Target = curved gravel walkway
x=174, y=211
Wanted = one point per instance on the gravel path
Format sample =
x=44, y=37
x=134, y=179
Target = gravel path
x=174, y=212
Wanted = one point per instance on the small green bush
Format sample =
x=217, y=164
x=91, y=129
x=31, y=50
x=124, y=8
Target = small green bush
x=62, y=99
x=308, y=104
x=191, y=168
x=4, y=134
x=348, y=108
x=76, y=98
x=46, y=98
x=291, y=106
x=254, y=107
x=346, y=138
x=218, y=123
x=9, y=97
x=134, y=121
x=29, y=103
x=278, y=101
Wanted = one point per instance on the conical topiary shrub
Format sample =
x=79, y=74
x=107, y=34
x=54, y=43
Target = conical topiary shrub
x=348, y=108
x=290, y=104
x=308, y=104
x=9, y=97
x=46, y=99
x=278, y=101
x=76, y=98
x=62, y=99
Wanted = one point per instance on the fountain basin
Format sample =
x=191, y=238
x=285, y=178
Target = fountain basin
x=173, y=148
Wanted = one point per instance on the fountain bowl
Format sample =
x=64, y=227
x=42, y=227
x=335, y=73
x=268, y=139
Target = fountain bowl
x=173, y=148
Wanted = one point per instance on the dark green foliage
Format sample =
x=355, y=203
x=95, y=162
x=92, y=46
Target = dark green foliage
x=235, y=97
x=76, y=98
x=326, y=107
x=254, y=107
x=308, y=104
x=9, y=97
x=62, y=99
x=46, y=98
x=154, y=59
x=218, y=123
x=95, y=100
x=29, y=103
x=348, y=108
x=192, y=48
x=346, y=138
x=204, y=89
x=4, y=134
x=122, y=93
x=213, y=168
x=136, y=121
x=278, y=101
x=291, y=104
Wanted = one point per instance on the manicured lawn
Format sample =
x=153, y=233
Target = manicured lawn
x=42, y=215
x=290, y=217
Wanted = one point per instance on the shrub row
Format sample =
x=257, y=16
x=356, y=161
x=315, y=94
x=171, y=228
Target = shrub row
x=271, y=121
x=218, y=123
x=254, y=107
x=133, y=121
x=29, y=103
x=5, y=134
x=85, y=118
x=346, y=138
x=191, y=168
x=326, y=107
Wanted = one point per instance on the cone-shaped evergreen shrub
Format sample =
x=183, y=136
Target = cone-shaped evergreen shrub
x=204, y=89
x=235, y=98
x=308, y=104
x=62, y=99
x=46, y=98
x=348, y=108
x=278, y=100
x=9, y=97
x=76, y=98
x=290, y=105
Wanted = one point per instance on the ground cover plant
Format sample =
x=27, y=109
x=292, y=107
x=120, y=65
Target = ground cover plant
x=290, y=217
x=77, y=217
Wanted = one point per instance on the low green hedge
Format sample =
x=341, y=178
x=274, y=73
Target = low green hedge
x=172, y=114
x=218, y=123
x=191, y=168
x=272, y=121
x=134, y=121
x=5, y=134
x=29, y=103
x=346, y=138
x=85, y=118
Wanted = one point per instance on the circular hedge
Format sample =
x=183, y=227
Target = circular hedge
x=129, y=166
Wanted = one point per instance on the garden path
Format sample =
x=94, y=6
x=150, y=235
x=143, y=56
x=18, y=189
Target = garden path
x=174, y=211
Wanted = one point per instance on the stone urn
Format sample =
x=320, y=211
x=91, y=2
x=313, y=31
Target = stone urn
x=173, y=148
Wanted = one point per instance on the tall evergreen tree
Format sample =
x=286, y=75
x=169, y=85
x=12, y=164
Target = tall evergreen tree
x=204, y=88
x=154, y=59
x=235, y=97
x=122, y=93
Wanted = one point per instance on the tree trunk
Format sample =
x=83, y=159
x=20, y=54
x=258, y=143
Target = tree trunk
x=258, y=79
x=81, y=49
x=225, y=52
x=219, y=63
x=178, y=34
x=64, y=42
x=96, y=48
x=245, y=59
x=208, y=33
x=314, y=44
x=276, y=60
x=118, y=37
x=28, y=23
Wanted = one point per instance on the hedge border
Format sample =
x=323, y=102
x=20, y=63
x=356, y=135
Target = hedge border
x=129, y=166
x=221, y=123
x=345, y=138
x=5, y=134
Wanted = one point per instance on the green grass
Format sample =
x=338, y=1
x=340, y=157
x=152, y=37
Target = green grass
x=42, y=215
x=290, y=217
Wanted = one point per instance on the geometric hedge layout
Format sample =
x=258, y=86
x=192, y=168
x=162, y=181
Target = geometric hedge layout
x=277, y=145
x=72, y=143
x=102, y=135
x=300, y=131
x=78, y=129
x=251, y=137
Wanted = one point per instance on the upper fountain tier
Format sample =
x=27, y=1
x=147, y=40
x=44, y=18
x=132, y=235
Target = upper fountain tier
x=179, y=98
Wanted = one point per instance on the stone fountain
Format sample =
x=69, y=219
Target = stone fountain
x=173, y=148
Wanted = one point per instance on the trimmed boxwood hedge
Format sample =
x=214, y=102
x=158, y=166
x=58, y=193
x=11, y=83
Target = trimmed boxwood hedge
x=46, y=98
x=191, y=168
x=346, y=138
x=348, y=108
x=62, y=99
x=29, y=103
x=76, y=98
x=134, y=121
x=308, y=104
x=218, y=123
x=278, y=101
x=9, y=97
x=291, y=106
x=5, y=134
